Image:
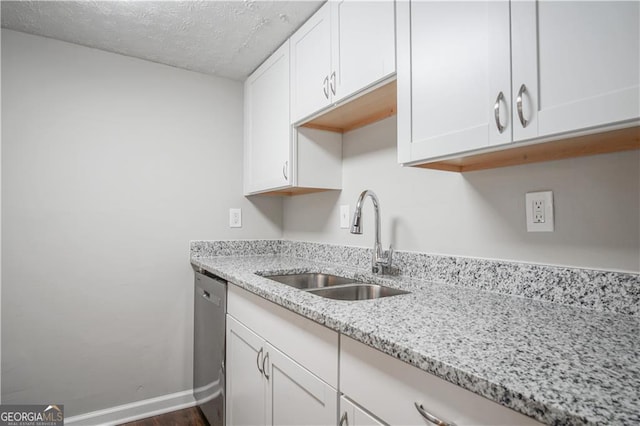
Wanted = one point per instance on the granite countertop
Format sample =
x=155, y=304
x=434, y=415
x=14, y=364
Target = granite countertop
x=556, y=363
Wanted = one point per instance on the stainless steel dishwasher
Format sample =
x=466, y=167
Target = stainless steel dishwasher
x=210, y=308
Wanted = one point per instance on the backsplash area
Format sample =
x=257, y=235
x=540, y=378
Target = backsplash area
x=586, y=288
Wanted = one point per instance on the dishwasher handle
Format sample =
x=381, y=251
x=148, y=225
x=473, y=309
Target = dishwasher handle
x=209, y=296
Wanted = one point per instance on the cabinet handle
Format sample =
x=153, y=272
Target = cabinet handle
x=496, y=112
x=430, y=417
x=344, y=421
x=285, y=166
x=264, y=370
x=258, y=361
x=523, y=90
x=333, y=82
x=325, y=87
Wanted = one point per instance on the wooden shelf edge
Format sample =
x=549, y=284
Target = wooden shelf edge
x=288, y=192
x=579, y=146
x=370, y=106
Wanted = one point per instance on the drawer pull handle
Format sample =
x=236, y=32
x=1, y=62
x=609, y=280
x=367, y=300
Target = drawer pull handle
x=258, y=361
x=430, y=417
x=344, y=421
x=264, y=361
x=325, y=87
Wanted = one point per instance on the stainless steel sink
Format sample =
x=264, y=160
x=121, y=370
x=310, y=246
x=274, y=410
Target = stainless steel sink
x=335, y=287
x=357, y=291
x=310, y=280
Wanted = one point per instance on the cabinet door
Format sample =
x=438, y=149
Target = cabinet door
x=267, y=126
x=310, y=65
x=295, y=396
x=245, y=384
x=363, y=44
x=579, y=62
x=454, y=63
x=352, y=415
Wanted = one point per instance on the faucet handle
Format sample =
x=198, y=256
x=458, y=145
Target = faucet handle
x=389, y=256
x=382, y=264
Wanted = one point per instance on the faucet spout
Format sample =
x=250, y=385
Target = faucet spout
x=380, y=262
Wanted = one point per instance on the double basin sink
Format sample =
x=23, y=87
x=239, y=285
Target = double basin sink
x=335, y=287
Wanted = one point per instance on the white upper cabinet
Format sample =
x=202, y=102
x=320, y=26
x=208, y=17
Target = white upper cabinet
x=363, y=36
x=267, y=140
x=453, y=68
x=476, y=74
x=347, y=46
x=311, y=65
x=579, y=64
x=278, y=158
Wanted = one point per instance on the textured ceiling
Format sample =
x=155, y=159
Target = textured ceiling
x=224, y=38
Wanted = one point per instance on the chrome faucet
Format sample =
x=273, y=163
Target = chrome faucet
x=381, y=261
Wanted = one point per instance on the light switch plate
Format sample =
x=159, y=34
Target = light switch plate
x=344, y=216
x=235, y=218
x=539, y=211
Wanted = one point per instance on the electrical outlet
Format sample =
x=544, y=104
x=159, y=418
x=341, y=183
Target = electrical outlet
x=344, y=216
x=539, y=211
x=235, y=218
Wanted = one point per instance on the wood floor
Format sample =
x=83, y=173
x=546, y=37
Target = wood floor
x=187, y=417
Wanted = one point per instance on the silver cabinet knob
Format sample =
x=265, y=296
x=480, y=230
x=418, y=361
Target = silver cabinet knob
x=523, y=90
x=496, y=112
x=264, y=370
x=333, y=82
x=285, y=166
x=344, y=421
x=325, y=87
x=258, y=362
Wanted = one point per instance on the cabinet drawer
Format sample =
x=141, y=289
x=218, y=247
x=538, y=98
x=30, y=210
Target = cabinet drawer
x=313, y=346
x=389, y=388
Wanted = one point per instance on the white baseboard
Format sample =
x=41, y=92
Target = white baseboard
x=135, y=410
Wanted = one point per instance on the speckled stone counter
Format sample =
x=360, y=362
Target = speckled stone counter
x=559, y=364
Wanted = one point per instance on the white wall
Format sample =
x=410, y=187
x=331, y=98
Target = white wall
x=110, y=165
x=481, y=214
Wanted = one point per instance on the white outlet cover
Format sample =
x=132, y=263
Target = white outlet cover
x=235, y=218
x=547, y=198
x=344, y=216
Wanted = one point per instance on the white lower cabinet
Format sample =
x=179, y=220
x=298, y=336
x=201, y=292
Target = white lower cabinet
x=393, y=390
x=245, y=399
x=353, y=415
x=294, y=395
x=265, y=386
